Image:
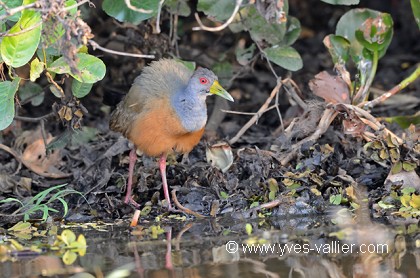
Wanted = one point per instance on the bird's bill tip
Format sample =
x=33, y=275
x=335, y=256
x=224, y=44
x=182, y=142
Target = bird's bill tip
x=217, y=89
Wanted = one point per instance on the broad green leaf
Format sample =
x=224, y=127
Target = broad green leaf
x=342, y=2
x=220, y=10
x=17, y=50
x=249, y=19
x=375, y=34
x=119, y=10
x=338, y=47
x=31, y=91
x=347, y=26
x=10, y=5
x=335, y=199
x=179, y=7
x=91, y=69
x=415, y=6
x=285, y=57
x=293, y=30
x=80, y=89
x=37, y=68
x=404, y=121
x=7, y=102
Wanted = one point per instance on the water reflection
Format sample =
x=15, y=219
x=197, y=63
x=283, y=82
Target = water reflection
x=297, y=247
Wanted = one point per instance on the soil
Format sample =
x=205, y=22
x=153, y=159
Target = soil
x=97, y=158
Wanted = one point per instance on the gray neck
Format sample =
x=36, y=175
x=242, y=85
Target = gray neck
x=191, y=109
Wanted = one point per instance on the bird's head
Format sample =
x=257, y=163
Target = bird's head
x=205, y=82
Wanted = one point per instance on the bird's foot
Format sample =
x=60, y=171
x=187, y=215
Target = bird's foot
x=129, y=200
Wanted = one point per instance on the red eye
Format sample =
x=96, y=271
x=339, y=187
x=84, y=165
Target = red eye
x=203, y=80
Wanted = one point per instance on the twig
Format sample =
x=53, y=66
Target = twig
x=6, y=34
x=182, y=208
x=140, y=10
x=158, y=16
x=268, y=60
x=95, y=45
x=394, y=90
x=247, y=113
x=10, y=12
x=78, y=4
x=260, y=111
x=221, y=27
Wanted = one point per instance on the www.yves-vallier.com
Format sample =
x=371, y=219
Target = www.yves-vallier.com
x=333, y=247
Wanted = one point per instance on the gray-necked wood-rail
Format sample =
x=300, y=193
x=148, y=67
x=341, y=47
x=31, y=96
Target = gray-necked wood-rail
x=164, y=111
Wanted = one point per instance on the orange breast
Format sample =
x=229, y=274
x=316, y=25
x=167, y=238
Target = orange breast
x=158, y=130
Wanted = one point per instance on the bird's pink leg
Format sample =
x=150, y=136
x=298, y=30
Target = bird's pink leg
x=162, y=167
x=132, y=161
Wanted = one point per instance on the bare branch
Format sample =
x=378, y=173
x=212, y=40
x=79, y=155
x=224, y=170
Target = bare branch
x=260, y=111
x=95, y=45
x=140, y=10
x=10, y=12
x=6, y=34
x=79, y=4
x=221, y=27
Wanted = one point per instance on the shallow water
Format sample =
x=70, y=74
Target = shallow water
x=296, y=247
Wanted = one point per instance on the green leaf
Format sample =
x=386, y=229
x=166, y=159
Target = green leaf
x=347, y=26
x=37, y=68
x=220, y=10
x=10, y=5
x=248, y=229
x=189, y=64
x=224, y=195
x=7, y=102
x=342, y=2
x=375, y=34
x=396, y=168
x=286, y=57
x=179, y=7
x=293, y=30
x=17, y=50
x=335, y=199
x=408, y=190
x=119, y=10
x=80, y=89
x=91, y=69
x=31, y=91
x=338, y=47
x=415, y=6
x=404, y=121
x=249, y=19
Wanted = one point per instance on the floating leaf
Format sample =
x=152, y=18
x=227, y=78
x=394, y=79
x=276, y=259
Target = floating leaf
x=7, y=102
x=119, y=10
x=248, y=229
x=17, y=50
x=396, y=168
x=91, y=69
x=286, y=57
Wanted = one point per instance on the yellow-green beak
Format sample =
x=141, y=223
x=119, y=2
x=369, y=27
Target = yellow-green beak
x=217, y=89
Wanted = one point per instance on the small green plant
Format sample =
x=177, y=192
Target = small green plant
x=44, y=39
x=42, y=202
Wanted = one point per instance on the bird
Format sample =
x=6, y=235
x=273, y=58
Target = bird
x=165, y=111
